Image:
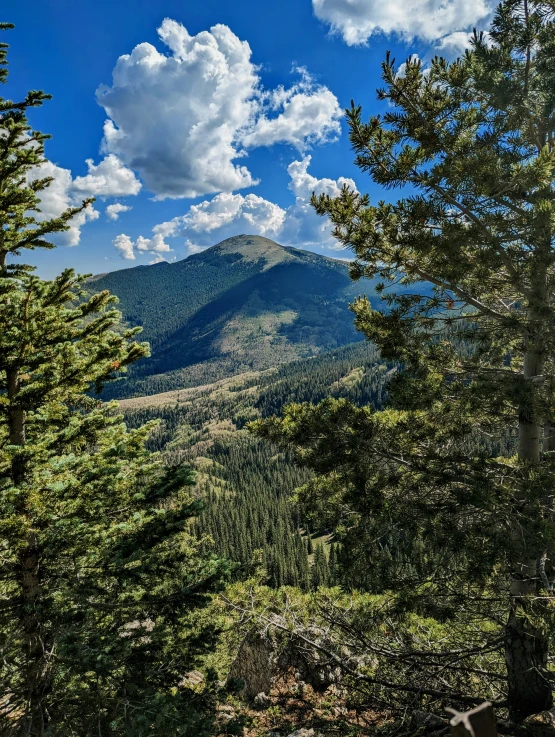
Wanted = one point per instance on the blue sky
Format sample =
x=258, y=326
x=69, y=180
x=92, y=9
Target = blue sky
x=222, y=116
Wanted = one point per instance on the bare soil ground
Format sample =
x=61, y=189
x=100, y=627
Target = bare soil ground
x=290, y=708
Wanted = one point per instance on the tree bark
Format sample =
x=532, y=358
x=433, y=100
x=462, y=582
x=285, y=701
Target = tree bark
x=16, y=414
x=526, y=649
x=16, y=423
x=37, y=683
x=529, y=690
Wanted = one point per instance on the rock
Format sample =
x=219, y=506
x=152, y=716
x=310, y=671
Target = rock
x=193, y=678
x=261, y=658
x=261, y=699
x=226, y=713
x=226, y=708
x=542, y=724
x=310, y=667
x=303, y=733
x=255, y=665
x=427, y=721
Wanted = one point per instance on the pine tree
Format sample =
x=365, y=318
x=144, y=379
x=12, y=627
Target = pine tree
x=332, y=562
x=320, y=572
x=99, y=579
x=473, y=144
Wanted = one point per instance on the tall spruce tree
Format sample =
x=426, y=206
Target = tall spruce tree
x=99, y=580
x=462, y=463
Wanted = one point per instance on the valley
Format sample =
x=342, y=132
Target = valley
x=248, y=483
x=260, y=491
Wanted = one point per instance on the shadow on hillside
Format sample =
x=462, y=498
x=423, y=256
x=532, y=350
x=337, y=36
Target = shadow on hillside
x=317, y=296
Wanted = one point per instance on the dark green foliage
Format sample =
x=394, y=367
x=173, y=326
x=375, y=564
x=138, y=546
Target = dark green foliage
x=247, y=483
x=101, y=585
x=417, y=493
x=320, y=573
x=250, y=517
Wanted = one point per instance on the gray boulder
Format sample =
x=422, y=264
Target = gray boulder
x=255, y=665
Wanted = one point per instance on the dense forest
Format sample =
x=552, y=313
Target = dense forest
x=278, y=525
x=247, y=484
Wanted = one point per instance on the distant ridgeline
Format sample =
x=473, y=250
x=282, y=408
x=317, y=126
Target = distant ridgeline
x=245, y=304
x=248, y=482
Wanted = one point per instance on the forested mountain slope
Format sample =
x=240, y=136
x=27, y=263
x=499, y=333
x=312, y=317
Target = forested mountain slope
x=244, y=304
x=248, y=482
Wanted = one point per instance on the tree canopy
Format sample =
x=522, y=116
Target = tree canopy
x=100, y=580
x=446, y=495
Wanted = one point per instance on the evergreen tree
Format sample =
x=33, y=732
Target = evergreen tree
x=320, y=570
x=473, y=144
x=332, y=562
x=99, y=579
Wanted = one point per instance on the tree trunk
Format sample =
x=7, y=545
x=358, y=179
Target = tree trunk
x=529, y=690
x=526, y=649
x=37, y=683
x=16, y=423
x=16, y=414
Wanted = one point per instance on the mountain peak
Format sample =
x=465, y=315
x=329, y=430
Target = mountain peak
x=255, y=248
x=245, y=240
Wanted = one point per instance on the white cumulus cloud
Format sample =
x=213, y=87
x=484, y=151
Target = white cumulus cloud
x=125, y=246
x=158, y=259
x=358, y=20
x=227, y=214
x=109, y=178
x=128, y=248
x=113, y=211
x=454, y=45
x=183, y=119
x=302, y=226
x=57, y=198
x=307, y=113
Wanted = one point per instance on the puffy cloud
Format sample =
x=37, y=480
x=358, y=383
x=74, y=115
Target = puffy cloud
x=183, y=119
x=303, y=184
x=224, y=216
x=110, y=178
x=57, y=198
x=128, y=248
x=402, y=70
x=302, y=225
x=308, y=113
x=453, y=45
x=158, y=259
x=358, y=20
x=227, y=214
x=113, y=211
x=125, y=246
x=155, y=244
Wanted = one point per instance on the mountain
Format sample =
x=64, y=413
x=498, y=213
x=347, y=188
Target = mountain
x=247, y=303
